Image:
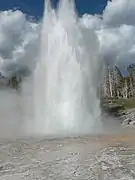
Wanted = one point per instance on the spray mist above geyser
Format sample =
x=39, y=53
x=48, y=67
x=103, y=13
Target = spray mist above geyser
x=66, y=79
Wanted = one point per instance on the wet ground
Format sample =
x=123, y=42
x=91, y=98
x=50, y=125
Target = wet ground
x=97, y=157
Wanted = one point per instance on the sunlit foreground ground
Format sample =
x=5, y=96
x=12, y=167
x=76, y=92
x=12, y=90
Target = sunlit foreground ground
x=97, y=157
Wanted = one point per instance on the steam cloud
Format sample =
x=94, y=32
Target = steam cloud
x=20, y=43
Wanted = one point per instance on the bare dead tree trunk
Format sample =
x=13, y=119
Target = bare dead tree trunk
x=110, y=82
x=125, y=89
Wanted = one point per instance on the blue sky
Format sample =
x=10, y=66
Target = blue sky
x=35, y=7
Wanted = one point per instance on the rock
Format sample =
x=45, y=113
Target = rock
x=129, y=118
x=126, y=122
x=132, y=123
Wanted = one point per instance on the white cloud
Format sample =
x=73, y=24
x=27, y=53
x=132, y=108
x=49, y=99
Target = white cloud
x=119, y=12
x=93, y=22
x=17, y=37
x=115, y=28
x=117, y=42
x=115, y=31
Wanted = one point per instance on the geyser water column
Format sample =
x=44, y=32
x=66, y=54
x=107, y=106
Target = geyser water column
x=67, y=74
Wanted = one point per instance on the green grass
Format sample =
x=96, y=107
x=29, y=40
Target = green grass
x=127, y=103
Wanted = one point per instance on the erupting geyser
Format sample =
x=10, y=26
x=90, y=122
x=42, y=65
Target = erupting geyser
x=66, y=79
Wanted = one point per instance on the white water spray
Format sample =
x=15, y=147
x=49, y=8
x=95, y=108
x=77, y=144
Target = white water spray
x=66, y=78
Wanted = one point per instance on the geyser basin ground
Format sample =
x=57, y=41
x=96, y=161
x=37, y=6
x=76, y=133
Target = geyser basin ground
x=97, y=157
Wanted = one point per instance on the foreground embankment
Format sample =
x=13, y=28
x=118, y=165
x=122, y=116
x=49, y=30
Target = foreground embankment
x=106, y=157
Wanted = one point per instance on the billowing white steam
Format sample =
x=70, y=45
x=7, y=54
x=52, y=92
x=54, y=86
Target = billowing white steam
x=20, y=44
x=66, y=79
x=18, y=40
